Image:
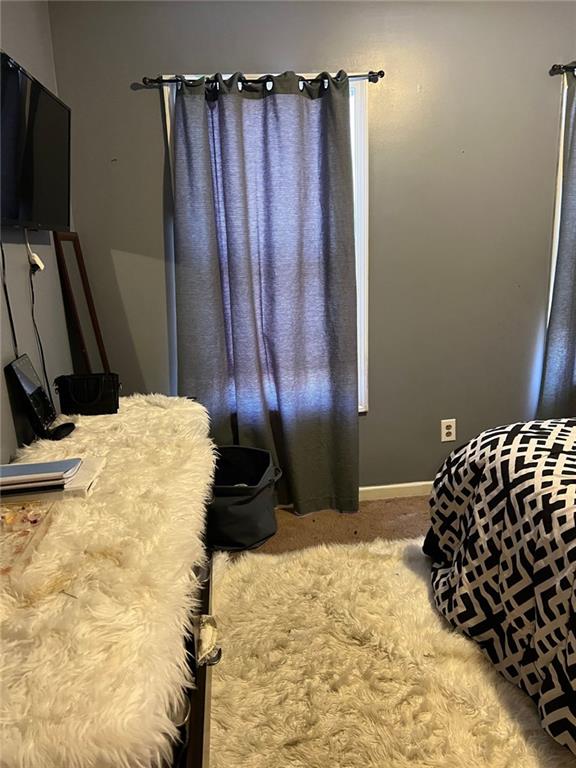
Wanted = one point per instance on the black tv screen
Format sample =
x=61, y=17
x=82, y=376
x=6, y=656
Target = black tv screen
x=35, y=152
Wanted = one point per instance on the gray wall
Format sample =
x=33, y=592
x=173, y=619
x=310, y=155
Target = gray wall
x=463, y=144
x=25, y=35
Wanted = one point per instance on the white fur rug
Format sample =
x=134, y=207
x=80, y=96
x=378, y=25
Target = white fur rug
x=334, y=657
x=93, y=662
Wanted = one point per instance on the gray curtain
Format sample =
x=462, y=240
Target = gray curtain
x=558, y=390
x=265, y=274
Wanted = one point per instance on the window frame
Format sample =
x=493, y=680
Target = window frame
x=359, y=141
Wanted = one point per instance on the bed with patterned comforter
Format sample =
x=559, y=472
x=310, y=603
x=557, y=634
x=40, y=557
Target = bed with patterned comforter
x=503, y=549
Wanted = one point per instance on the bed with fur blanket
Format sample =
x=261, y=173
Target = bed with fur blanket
x=503, y=545
x=93, y=659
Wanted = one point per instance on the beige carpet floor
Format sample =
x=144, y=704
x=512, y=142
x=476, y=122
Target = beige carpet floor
x=386, y=519
x=335, y=657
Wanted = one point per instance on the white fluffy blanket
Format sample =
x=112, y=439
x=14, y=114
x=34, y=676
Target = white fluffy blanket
x=335, y=657
x=93, y=663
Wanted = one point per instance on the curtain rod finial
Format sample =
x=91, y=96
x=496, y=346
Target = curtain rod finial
x=373, y=77
x=560, y=69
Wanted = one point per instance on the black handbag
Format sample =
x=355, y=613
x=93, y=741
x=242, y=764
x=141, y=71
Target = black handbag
x=88, y=394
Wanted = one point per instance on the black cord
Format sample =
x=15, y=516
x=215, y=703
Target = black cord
x=37, y=334
x=8, y=305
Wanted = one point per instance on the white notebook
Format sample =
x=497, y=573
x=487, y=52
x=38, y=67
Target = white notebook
x=80, y=485
x=20, y=473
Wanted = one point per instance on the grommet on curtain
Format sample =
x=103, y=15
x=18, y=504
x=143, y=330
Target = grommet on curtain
x=242, y=83
x=269, y=84
x=301, y=84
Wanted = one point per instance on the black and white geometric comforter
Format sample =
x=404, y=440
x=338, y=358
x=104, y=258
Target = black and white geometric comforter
x=503, y=544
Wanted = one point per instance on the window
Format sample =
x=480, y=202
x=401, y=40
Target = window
x=359, y=140
x=359, y=137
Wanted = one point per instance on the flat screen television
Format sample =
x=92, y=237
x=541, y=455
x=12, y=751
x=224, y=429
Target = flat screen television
x=35, y=139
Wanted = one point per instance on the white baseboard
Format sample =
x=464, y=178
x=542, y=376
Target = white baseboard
x=399, y=490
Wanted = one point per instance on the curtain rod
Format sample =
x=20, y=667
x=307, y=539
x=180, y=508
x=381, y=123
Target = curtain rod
x=151, y=82
x=560, y=69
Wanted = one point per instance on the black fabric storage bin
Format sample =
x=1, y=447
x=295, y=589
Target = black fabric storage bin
x=241, y=514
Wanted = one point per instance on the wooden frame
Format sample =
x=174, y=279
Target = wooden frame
x=198, y=753
x=193, y=749
x=80, y=356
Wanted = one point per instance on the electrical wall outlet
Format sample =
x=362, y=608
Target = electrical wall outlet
x=448, y=430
